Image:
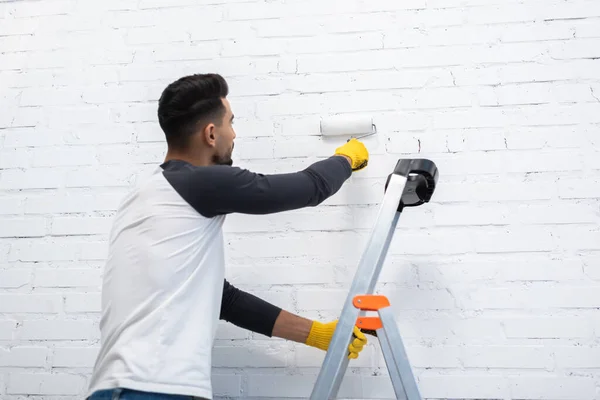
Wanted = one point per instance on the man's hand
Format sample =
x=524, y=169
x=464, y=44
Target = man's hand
x=321, y=333
x=356, y=152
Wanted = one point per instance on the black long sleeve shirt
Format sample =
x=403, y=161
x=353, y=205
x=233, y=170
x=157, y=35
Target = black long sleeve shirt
x=248, y=311
x=217, y=190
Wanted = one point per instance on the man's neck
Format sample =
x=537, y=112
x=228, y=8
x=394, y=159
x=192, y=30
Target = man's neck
x=198, y=160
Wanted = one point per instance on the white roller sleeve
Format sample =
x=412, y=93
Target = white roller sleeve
x=348, y=125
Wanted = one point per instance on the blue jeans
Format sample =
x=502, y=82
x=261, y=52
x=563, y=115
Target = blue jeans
x=128, y=394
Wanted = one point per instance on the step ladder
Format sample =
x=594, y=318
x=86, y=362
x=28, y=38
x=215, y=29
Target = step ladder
x=410, y=184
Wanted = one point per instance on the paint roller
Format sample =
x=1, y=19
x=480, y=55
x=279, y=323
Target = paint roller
x=356, y=127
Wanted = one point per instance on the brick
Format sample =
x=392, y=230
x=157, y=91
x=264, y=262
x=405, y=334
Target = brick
x=23, y=10
x=143, y=4
x=228, y=331
x=94, y=251
x=525, y=238
x=227, y=384
x=29, y=137
x=527, y=357
x=278, y=386
x=578, y=237
x=430, y=357
x=100, y=134
x=533, y=72
x=15, y=158
x=296, y=220
x=110, y=5
x=74, y=201
x=49, y=96
x=80, y=329
x=132, y=112
x=556, y=213
x=467, y=385
x=254, y=148
x=360, y=61
x=82, y=302
x=255, y=356
x=104, y=176
x=577, y=188
x=74, y=357
x=11, y=205
x=18, y=27
x=580, y=48
x=280, y=273
x=30, y=303
x=553, y=387
x=32, y=178
x=586, y=28
x=311, y=357
x=5, y=251
x=469, y=215
x=43, y=251
x=45, y=384
x=552, y=327
x=51, y=157
x=24, y=357
x=453, y=330
x=415, y=299
x=286, y=245
x=569, y=357
x=22, y=227
x=501, y=269
x=321, y=299
x=417, y=242
x=548, y=137
x=14, y=278
x=67, y=277
x=7, y=329
x=377, y=386
x=590, y=266
x=534, y=297
x=80, y=225
x=304, y=45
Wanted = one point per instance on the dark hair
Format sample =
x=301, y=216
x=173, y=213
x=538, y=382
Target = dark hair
x=188, y=101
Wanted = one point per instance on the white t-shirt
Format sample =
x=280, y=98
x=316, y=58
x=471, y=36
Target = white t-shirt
x=163, y=279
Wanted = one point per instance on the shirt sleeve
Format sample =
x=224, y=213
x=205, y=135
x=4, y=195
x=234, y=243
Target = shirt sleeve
x=248, y=311
x=221, y=189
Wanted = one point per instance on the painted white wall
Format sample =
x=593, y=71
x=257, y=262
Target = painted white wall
x=496, y=283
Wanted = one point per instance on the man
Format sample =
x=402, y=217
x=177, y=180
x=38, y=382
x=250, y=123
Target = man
x=164, y=288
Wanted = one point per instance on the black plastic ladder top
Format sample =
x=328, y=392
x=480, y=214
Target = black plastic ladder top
x=421, y=178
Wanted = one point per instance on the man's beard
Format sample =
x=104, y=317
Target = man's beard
x=222, y=160
x=225, y=160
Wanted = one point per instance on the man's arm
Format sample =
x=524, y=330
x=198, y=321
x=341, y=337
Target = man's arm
x=257, y=315
x=219, y=189
x=252, y=313
x=248, y=311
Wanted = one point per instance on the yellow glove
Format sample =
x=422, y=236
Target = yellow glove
x=356, y=151
x=321, y=333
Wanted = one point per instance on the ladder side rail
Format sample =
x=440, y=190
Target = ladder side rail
x=398, y=357
x=390, y=362
x=336, y=359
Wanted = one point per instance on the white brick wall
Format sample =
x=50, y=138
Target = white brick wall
x=496, y=283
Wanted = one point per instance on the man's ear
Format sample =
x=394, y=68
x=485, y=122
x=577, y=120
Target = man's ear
x=209, y=135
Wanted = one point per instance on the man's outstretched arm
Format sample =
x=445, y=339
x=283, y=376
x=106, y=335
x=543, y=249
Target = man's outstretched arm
x=219, y=189
x=257, y=315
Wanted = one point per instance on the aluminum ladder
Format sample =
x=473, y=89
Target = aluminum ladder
x=411, y=184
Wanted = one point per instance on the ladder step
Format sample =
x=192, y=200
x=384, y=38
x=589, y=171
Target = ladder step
x=370, y=302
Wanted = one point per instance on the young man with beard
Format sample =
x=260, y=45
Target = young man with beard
x=164, y=288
